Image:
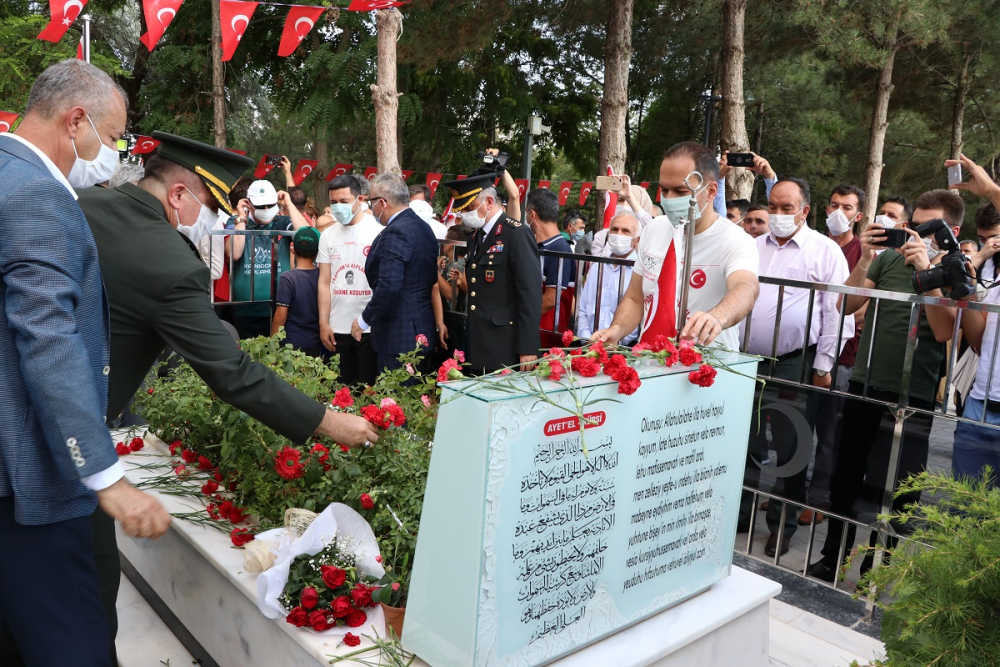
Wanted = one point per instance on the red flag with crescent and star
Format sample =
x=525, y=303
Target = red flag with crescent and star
x=63, y=13
x=235, y=17
x=585, y=189
x=544, y=184
x=371, y=172
x=372, y=5
x=522, y=188
x=159, y=14
x=303, y=169
x=7, y=120
x=263, y=169
x=339, y=170
x=661, y=318
x=433, y=180
x=298, y=24
x=610, y=202
x=406, y=173
x=564, y=190
x=144, y=145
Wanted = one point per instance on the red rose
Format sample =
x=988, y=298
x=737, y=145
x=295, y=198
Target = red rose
x=210, y=487
x=287, y=463
x=704, y=376
x=615, y=366
x=366, y=501
x=333, y=576
x=122, y=449
x=341, y=606
x=687, y=354
x=397, y=415
x=175, y=447
x=298, y=617
x=217, y=477
x=628, y=381
x=567, y=338
x=345, y=448
x=356, y=618
x=361, y=595
x=351, y=640
x=136, y=444
x=309, y=598
x=585, y=366
x=240, y=536
x=343, y=398
x=450, y=370
x=204, y=463
x=375, y=415
x=317, y=620
x=189, y=456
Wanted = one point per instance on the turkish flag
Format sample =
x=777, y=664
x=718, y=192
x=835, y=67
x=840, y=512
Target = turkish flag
x=339, y=170
x=407, y=174
x=585, y=189
x=298, y=24
x=433, y=180
x=544, y=184
x=235, y=17
x=461, y=177
x=262, y=169
x=303, y=169
x=7, y=119
x=371, y=172
x=371, y=5
x=63, y=13
x=79, y=50
x=522, y=188
x=237, y=151
x=644, y=185
x=564, y=189
x=159, y=14
x=144, y=145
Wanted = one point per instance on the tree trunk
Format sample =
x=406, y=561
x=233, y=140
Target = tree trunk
x=739, y=184
x=958, y=112
x=880, y=124
x=321, y=155
x=384, y=94
x=218, y=80
x=614, y=104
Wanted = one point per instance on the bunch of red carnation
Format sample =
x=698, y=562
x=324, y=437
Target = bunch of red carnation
x=327, y=590
x=451, y=369
x=384, y=415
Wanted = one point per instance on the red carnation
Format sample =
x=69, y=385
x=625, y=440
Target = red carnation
x=375, y=415
x=341, y=607
x=232, y=486
x=213, y=511
x=361, y=596
x=237, y=515
x=598, y=349
x=287, y=463
x=204, y=463
x=210, y=487
x=240, y=536
x=345, y=448
x=217, y=477
x=586, y=366
x=356, y=618
x=225, y=507
x=397, y=415
x=378, y=559
x=122, y=449
x=189, y=456
x=351, y=639
x=421, y=340
x=687, y=354
x=567, y=338
x=333, y=576
x=343, y=398
x=317, y=620
x=309, y=598
x=460, y=356
x=555, y=370
x=704, y=376
x=450, y=370
x=669, y=353
x=615, y=366
x=175, y=447
x=136, y=444
x=628, y=381
x=319, y=447
x=181, y=471
x=366, y=501
x=298, y=617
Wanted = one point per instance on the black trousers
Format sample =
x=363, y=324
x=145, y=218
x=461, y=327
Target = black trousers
x=50, y=594
x=863, y=459
x=357, y=360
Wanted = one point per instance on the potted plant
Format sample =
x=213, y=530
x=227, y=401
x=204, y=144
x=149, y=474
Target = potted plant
x=392, y=596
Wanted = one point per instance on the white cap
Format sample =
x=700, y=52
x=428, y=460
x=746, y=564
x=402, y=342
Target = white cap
x=262, y=193
x=423, y=209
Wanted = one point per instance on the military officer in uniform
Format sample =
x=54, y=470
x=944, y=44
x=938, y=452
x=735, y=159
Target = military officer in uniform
x=504, y=279
x=158, y=293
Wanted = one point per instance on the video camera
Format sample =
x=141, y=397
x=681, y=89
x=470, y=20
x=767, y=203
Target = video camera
x=951, y=272
x=492, y=164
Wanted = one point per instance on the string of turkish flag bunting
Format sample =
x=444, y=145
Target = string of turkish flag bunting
x=304, y=168
x=234, y=14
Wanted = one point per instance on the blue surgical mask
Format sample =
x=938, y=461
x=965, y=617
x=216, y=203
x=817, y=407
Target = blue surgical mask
x=576, y=236
x=675, y=208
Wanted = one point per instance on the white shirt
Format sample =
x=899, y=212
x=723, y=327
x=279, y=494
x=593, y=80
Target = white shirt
x=212, y=248
x=598, y=246
x=345, y=248
x=810, y=257
x=613, y=276
x=718, y=252
x=49, y=164
x=986, y=351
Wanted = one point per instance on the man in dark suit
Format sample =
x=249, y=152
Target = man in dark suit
x=57, y=460
x=402, y=272
x=504, y=277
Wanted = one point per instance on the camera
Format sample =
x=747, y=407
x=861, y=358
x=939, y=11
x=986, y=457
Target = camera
x=740, y=159
x=951, y=272
x=272, y=160
x=492, y=164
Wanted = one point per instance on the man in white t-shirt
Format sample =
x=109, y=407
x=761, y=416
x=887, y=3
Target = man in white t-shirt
x=724, y=262
x=343, y=286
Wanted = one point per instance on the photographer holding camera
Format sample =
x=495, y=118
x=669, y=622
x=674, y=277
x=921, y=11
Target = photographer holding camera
x=869, y=426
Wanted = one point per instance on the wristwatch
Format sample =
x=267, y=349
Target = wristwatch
x=820, y=373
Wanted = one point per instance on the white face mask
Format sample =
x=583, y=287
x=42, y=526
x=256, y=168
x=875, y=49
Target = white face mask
x=837, y=223
x=885, y=221
x=206, y=220
x=265, y=215
x=472, y=218
x=619, y=244
x=932, y=249
x=783, y=226
x=88, y=173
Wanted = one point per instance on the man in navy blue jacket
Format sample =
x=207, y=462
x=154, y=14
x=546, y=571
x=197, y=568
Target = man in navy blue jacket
x=57, y=460
x=402, y=272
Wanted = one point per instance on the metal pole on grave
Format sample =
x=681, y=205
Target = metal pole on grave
x=86, y=37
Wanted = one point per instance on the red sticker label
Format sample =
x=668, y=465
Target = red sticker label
x=570, y=424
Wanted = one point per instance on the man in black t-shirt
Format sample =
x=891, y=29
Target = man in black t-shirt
x=297, y=304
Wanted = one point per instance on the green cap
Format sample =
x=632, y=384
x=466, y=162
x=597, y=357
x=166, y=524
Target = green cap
x=306, y=242
x=218, y=168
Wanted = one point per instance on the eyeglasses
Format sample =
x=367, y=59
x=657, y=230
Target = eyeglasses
x=373, y=200
x=260, y=208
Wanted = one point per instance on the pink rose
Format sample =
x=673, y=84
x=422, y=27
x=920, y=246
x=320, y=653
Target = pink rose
x=422, y=340
x=425, y=399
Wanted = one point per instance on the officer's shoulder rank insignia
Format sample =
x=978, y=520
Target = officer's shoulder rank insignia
x=513, y=223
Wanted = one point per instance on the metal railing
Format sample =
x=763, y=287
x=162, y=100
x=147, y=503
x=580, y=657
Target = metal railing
x=253, y=238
